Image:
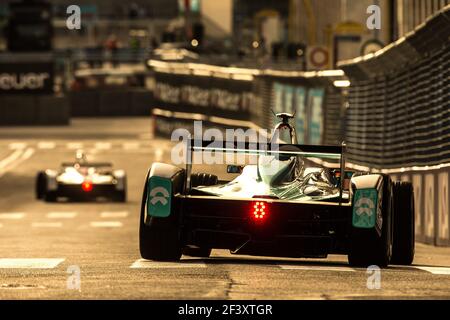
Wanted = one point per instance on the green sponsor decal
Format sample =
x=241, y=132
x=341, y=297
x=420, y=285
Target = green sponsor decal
x=159, y=197
x=365, y=208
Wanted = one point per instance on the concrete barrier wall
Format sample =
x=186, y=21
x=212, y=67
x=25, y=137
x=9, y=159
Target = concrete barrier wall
x=432, y=201
x=34, y=110
x=109, y=103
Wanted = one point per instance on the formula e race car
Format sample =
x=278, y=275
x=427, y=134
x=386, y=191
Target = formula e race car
x=82, y=180
x=295, y=201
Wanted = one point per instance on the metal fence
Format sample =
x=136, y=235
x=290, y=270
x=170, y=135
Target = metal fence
x=399, y=106
x=398, y=119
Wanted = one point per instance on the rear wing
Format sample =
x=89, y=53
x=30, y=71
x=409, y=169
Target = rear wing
x=255, y=148
x=87, y=164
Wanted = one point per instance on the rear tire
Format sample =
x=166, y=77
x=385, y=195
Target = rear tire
x=160, y=239
x=203, y=179
x=46, y=195
x=404, y=224
x=367, y=247
x=41, y=185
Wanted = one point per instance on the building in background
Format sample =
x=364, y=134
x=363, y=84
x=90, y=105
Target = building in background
x=127, y=20
x=411, y=13
x=309, y=34
x=330, y=30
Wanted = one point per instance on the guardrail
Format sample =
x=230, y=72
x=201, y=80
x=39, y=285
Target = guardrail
x=398, y=119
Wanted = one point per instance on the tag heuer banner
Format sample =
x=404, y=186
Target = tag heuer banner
x=26, y=77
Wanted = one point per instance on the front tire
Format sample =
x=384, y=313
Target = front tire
x=203, y=179
x=50, y=196
x=404, y=224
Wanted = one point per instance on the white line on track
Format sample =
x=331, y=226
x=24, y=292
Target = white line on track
x=46, y=224
x=37, y=263
x=103, y=145
x=114, y=214
x=12, y=215
x=62, y=215
x=15, y=159
x=147, y=264
x=131, y=145
x=11, y=158
x=74, y=145
x=316, y=268
x=46, y=145
x=17, y=145
x=434, y=270
x=106, y=224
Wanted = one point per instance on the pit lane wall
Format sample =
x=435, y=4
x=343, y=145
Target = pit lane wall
x=398, y=119
x=230, y=97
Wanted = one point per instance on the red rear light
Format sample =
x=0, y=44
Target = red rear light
x=86, y=186
x=260, y=210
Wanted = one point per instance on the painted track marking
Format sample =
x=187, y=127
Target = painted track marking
x=17, y=157
x=74, y=145
x=12, y=215
x=148, y=264
x=434, y=270
x=35, y=263
x=102, y=145
x=317, y=268
x=114, y=214
x=131, y=145
x=106, y=224
x=46, y=145
x=62, y=215
x=17, y=145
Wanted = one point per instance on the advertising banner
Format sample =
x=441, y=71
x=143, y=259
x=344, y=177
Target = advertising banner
x=315, y=98
x=300, y=114
x=278, y=89
x=19, y=78
x=288, y=99
x=292, y=99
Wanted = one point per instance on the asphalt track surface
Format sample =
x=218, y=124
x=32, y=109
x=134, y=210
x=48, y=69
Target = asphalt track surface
x=43, y=246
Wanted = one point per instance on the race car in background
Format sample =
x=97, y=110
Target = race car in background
x=298, y=210
x=82, y=180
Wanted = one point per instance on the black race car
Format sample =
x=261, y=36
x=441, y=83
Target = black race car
x=283, y=205
x=82, y=180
